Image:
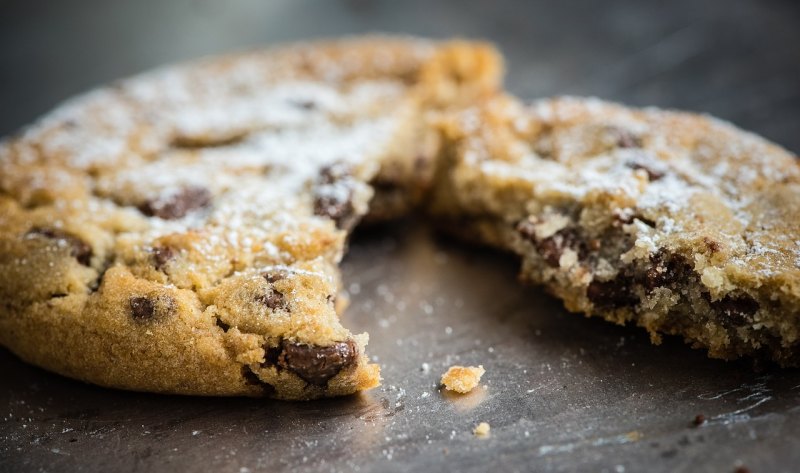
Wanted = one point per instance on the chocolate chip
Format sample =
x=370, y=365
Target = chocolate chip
x=735, y=310
x=527, y=229
x=272, y=299
x=94, y=286
x=652, y=174
x=225, y=327
x=142, y=308
x=333, y=197
x=628, y=218
x=340, y=211
x=273, y=277
x=271, y=355
x=624, y=138
x=665, y=270
x=78, y=249
x=333, y=172
x=304, y=104
x=552, y=247
x=315, y=364
x=162, y=255
x=712, y=245
x=612, y=294
x=145, y=308
x=178, y=204
x=252, y=379
x=669, y=453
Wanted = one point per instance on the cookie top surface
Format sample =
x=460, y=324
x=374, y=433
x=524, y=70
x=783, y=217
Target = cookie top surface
x=725, y=198
x=212, y=168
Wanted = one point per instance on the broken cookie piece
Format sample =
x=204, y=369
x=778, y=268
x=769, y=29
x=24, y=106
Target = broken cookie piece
x=482, y=429
x=679, y=223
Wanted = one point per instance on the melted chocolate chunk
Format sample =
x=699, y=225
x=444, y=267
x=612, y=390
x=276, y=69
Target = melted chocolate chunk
x=736, y=310
x=78, y=249
x=612, y=294
x=162, y=255
x=315, y=364
x=272, y=299
x=177, y=205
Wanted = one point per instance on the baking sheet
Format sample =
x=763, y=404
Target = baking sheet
x=563, y=393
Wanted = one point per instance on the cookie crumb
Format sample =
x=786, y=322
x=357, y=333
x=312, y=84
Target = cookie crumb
x=482, y=429
x=699, y=420
x=462, y=379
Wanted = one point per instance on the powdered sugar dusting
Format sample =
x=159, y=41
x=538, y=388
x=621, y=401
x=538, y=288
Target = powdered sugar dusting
x=679, y=169
x=254, y=132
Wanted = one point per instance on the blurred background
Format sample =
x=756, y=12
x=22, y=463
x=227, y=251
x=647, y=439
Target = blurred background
x=737, y=59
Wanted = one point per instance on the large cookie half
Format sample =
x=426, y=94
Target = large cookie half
x=179, y=232
x=679, y=223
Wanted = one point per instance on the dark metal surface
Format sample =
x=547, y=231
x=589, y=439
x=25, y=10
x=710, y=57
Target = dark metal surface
x=562, y=393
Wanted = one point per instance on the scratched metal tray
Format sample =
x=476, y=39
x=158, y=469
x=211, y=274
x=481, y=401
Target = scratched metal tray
x=561, y=393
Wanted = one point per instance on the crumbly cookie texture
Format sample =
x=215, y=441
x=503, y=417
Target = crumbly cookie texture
x=679, y=223
x=482, y=429
x=462, y=379
x=180, y=231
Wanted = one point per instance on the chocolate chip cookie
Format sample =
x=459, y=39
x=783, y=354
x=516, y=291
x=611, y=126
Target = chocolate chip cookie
x=180, y=231
x=679, y=223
